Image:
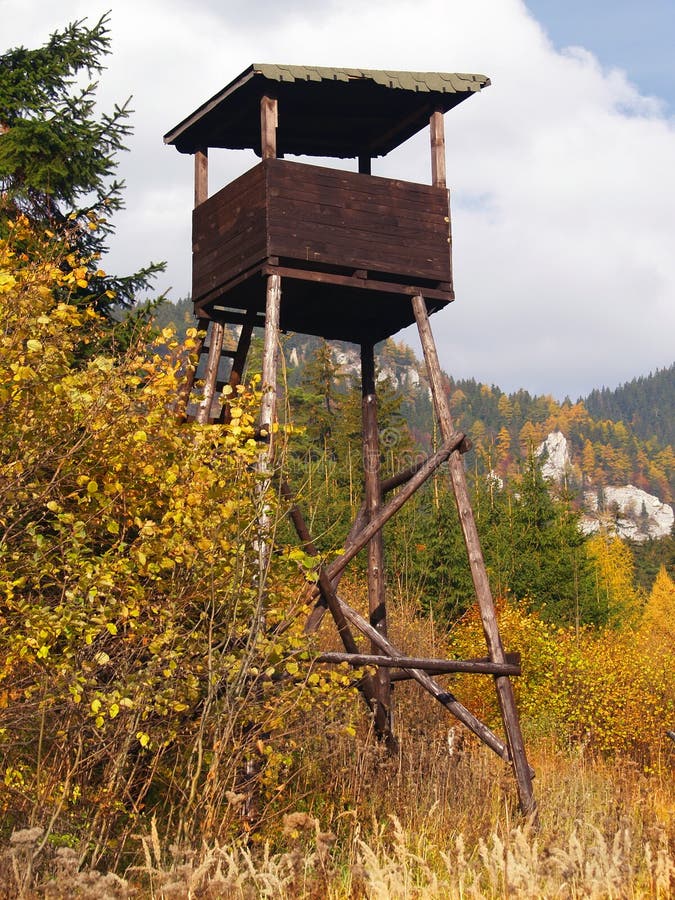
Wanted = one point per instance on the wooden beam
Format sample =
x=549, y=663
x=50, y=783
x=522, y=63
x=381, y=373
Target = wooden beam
x=243, y=346
x=365, y=164
x=269, y=120
x=270, y=353
x=437, y=127
x=379, y=521
x=444, y=697
x=201, y=176
x=367, y=686
x=435, y=666
x=239, y=361
x=373, y=501
x=369, y=284
x=478, y=572
x=342, y=612
x=216, y=335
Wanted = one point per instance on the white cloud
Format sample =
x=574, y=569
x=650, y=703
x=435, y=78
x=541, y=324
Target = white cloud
x=561, y=172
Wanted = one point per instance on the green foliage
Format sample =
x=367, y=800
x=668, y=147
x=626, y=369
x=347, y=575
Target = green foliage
x=642, y=402
x=531, y=544
x=58, y=155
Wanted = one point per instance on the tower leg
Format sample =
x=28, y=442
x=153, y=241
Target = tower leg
x=269, y=358
x=376, y=588
x=211, y=374
x=478, y=573
x=267, y=418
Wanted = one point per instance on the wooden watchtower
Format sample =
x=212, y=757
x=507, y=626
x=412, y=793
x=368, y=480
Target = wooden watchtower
x=351, y=256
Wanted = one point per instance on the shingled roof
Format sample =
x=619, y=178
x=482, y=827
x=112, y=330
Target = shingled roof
x=324, y=111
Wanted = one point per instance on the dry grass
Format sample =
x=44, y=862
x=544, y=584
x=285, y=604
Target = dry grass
x=436, y=820
x=426, y=823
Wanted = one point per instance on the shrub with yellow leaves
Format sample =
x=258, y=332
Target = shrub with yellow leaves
x=596, y=688
x=151, y=656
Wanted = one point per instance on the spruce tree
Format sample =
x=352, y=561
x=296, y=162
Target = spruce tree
x=58, y=155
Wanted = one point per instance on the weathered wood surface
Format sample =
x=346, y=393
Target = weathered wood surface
x=367, y=685
x=477, y=565
x=343, y=614
x=229, y=232
x=372, y=283
x=373, y=501
x=318, y=217
x=432, y=666
x=366, y=222
x=269, y=120
x=448, y=700
x=437, y=130
x=270, y=355
x=201, y=177
x=216, y=335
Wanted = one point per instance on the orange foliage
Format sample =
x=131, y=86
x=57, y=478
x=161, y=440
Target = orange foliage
x=600, y=689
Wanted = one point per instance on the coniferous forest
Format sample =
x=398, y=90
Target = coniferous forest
x=165, y=727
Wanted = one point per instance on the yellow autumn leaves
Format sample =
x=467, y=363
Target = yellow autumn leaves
x=131, y=575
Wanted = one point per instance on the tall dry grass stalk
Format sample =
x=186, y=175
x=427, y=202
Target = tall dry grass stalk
x=426, y=823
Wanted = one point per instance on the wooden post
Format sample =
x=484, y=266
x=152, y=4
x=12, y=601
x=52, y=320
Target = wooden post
x=269, y=358
x=437, y=149
x=378, y=521
x=201, y=176
x=478, y=573
x=269, y=120
x=243, y=346
x=373, y=500
x=365, y=164
x=211, y=374
x=328, y=591
x=201, y=194
x=238, y=362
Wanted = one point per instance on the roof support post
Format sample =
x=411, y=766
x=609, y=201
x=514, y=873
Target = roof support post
x=201, y=176
x=437, y=126
x=269, y=120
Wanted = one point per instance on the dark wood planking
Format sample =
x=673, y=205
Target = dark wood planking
x=317, y=217
x=372, y=226
x=352, y=251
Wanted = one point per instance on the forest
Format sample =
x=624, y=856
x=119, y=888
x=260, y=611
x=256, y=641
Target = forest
x=165, y=727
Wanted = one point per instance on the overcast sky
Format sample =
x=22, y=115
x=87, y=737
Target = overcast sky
x=562, y=172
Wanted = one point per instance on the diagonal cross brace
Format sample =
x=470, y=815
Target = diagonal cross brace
x=343, y=613
x=361, y=538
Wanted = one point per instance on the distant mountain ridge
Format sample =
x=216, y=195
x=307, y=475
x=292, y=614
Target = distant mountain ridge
x=646, y=403
x=618, y=437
